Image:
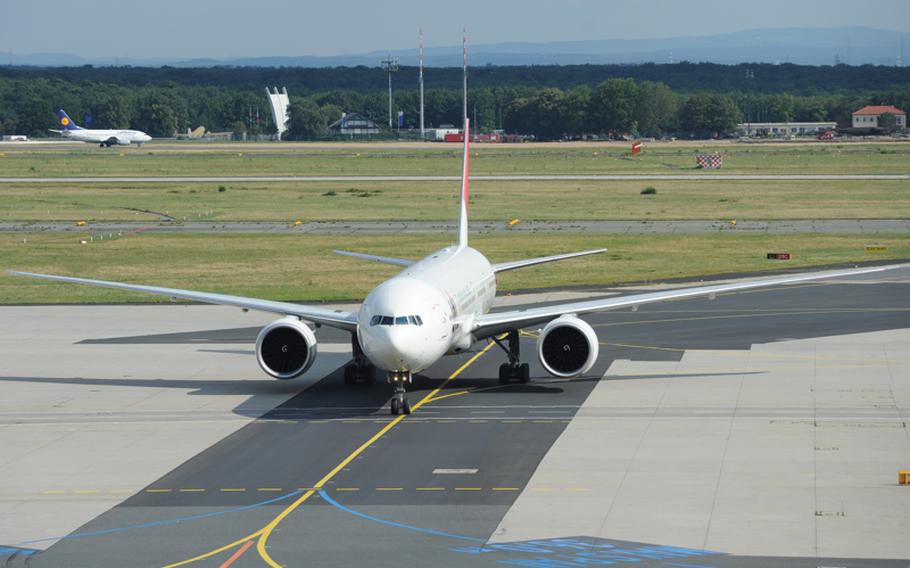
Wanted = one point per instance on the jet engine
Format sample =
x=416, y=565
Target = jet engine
x=286, y=348
x=567, y=346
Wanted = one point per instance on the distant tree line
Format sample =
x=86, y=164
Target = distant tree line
x=681, y=77
x=611, y=107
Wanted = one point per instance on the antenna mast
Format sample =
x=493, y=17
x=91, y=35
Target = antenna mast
x=422, y=131
x=390, y=64
x=464, y=72
x=900, y=54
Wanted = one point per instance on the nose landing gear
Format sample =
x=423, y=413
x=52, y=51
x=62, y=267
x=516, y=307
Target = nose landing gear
x=399, y=403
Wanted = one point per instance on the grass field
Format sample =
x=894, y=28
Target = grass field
x=302, y=267
x=433, y=201
x=437, y=159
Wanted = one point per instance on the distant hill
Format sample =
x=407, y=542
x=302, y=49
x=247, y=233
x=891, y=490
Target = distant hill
x=803, y=46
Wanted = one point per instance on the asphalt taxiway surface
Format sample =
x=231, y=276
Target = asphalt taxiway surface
x=328, y=478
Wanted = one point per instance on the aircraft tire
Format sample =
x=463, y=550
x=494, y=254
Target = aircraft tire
x=350, y=376
x=524, y=373
x=505, y=374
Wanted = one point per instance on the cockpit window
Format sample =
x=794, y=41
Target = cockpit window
x=398, y=320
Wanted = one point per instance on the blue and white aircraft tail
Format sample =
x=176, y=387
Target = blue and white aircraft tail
x=65, y=122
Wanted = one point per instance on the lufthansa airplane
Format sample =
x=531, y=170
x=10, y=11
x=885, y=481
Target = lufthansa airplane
x=69, y=129
x=436, y=306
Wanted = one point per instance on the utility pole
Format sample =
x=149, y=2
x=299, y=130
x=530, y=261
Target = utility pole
x=422, y=131
x=749, y=76
x=390, y=64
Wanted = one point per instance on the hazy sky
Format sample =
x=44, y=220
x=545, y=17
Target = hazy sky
x=236, y=28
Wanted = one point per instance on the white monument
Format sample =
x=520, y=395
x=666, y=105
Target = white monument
x=279, y=103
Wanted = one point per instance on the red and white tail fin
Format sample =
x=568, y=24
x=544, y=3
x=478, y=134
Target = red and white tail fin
x=463, y=217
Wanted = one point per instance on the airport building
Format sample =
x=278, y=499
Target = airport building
x=784, y=129
x=353, y=125
x=868, y=116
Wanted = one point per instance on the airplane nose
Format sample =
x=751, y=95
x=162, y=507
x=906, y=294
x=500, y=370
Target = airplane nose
x=399, y=343
x=397, y=349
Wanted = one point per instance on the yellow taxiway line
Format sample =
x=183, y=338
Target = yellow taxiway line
x=262, y=535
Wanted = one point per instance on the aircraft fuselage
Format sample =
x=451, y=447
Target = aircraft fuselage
x=426, y=311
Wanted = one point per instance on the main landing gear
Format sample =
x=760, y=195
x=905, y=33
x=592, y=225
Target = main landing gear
x=360, y=369
x=514, y=370
x=399, y=403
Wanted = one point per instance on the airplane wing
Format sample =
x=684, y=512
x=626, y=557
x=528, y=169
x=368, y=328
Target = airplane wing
x=503, y=266
x=333, y=318
x=376, y=258
x=491, y=324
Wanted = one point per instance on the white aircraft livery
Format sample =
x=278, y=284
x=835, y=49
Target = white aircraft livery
x=436, y=306
x=108, y=137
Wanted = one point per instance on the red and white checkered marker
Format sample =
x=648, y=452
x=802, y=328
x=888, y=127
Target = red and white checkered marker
x=710, y=161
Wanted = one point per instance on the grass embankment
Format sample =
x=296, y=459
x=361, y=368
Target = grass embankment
x=434, y=201
x=436, y=159
x=301, y=267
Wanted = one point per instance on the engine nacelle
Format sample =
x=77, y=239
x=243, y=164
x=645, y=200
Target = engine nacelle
x=286, y=348
x=568, y=347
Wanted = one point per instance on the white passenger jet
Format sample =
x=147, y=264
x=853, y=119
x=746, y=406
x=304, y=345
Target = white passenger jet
x=437, y=306
x=106, y=137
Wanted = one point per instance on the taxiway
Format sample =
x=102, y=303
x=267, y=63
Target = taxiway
x=760, y=428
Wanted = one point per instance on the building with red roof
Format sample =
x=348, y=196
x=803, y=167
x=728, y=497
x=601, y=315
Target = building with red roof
x=867, y=117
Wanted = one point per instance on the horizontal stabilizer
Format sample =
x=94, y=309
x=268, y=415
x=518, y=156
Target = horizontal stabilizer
x=376, y=258
x=503, y=266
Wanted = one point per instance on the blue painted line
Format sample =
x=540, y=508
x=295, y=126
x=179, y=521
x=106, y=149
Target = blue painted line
x=168, y=521
x=11, y=550
x=609, y=554
x=338, y=505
